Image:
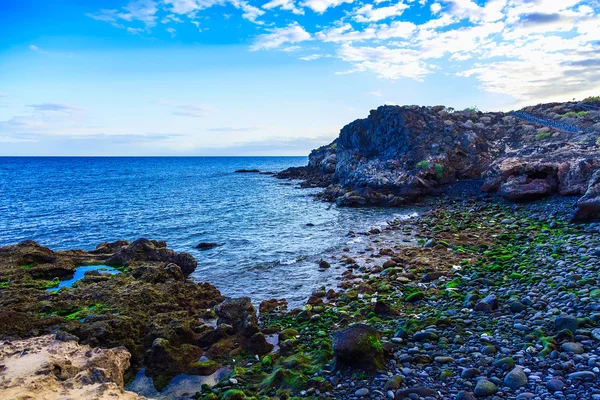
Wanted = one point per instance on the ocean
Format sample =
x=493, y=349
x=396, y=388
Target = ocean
x=270, y=249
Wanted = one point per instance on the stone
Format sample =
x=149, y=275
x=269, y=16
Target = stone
x=359, y=346
x=588, y=207
x=517, y=307
x=239, y=313
x=563, y=322
x=419, y=391
x=464, y=395
x=554, y=385
x=571, y=347
x=393, y=383
x=485, y=388
x=207, y=246
x=516, y=378
x=587, y=376
x=362, y=392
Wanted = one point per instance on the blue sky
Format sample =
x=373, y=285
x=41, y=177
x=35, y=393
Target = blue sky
x=276, y=77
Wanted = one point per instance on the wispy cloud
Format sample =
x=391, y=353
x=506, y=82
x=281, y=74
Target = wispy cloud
x=293, y=33
x=66, y=108
x=230, y=129
x=188, y=110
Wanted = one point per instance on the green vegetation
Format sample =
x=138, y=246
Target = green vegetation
x=77, y=313
x=542, y=135
x=598, y=141
x=334, y=146
x=423, y=164
x=573, y=114
x=591, y=99
x=439, y=171
x=473, y=109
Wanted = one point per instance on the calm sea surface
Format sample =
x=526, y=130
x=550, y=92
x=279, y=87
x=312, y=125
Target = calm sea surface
x=269, y=251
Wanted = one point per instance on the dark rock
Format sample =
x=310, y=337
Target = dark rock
x=419, y=391
x=586, y=376
x=240, y=314
x=358, y=346
x=257, y=344
x=522, y=188
x=65, y=337
x=247, y=171
x=168, y=359
x=563, y=322
x=588, y=207
x=464, y=395
x=152, y=250
x=554, y=385
x=207, y=246
x=324, y=264
x=517, y=307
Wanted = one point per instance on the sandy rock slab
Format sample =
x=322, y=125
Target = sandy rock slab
x=44, y=368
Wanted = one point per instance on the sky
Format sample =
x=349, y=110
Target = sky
x=271, y=77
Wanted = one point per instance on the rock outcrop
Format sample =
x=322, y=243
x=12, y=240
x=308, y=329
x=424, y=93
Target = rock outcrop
x=398, y=154
x=45, y=368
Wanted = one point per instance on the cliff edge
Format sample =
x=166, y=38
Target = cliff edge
x=400, y=153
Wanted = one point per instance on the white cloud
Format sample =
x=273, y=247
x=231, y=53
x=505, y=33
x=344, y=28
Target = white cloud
x=320, y=6
x=311, y=57
x=172, y=32
x=367, y=13
x=293, y=33
x=288, y=5
x=435, y=8
x=143, y=11
x=188, y=110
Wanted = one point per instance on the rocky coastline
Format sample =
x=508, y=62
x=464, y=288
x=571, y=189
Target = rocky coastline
x=398, y=155
x=476, y=297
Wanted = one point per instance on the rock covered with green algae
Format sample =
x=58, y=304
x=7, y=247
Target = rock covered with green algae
x=151, y=308
x=358, y=346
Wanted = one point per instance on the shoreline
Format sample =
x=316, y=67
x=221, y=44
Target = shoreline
x=417, y=267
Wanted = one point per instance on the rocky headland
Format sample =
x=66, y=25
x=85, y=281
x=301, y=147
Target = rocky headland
x=476, y=297
x=399, y=154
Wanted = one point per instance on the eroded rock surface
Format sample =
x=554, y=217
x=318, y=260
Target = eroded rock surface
x=45, y=368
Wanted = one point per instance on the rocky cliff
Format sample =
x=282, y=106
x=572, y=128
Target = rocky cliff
x=398, y=154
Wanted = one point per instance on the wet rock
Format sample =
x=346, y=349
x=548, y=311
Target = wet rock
x=240, y=314
x=168, y=359
x=207, y=245
x=563, y=322
x=554, y=385
x=485, y=388
x=152, y=250
x=418, y=391
x=586, y=376
x=257, y=344
x=516, y=378
x=247, y=171
x=574, y=348
x=358, y=346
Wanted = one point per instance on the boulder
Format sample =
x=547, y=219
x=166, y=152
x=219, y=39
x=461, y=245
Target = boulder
x=358, y=346
x=152, y=251
x=521, y=188
x=588, y=207
x=240, y=314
